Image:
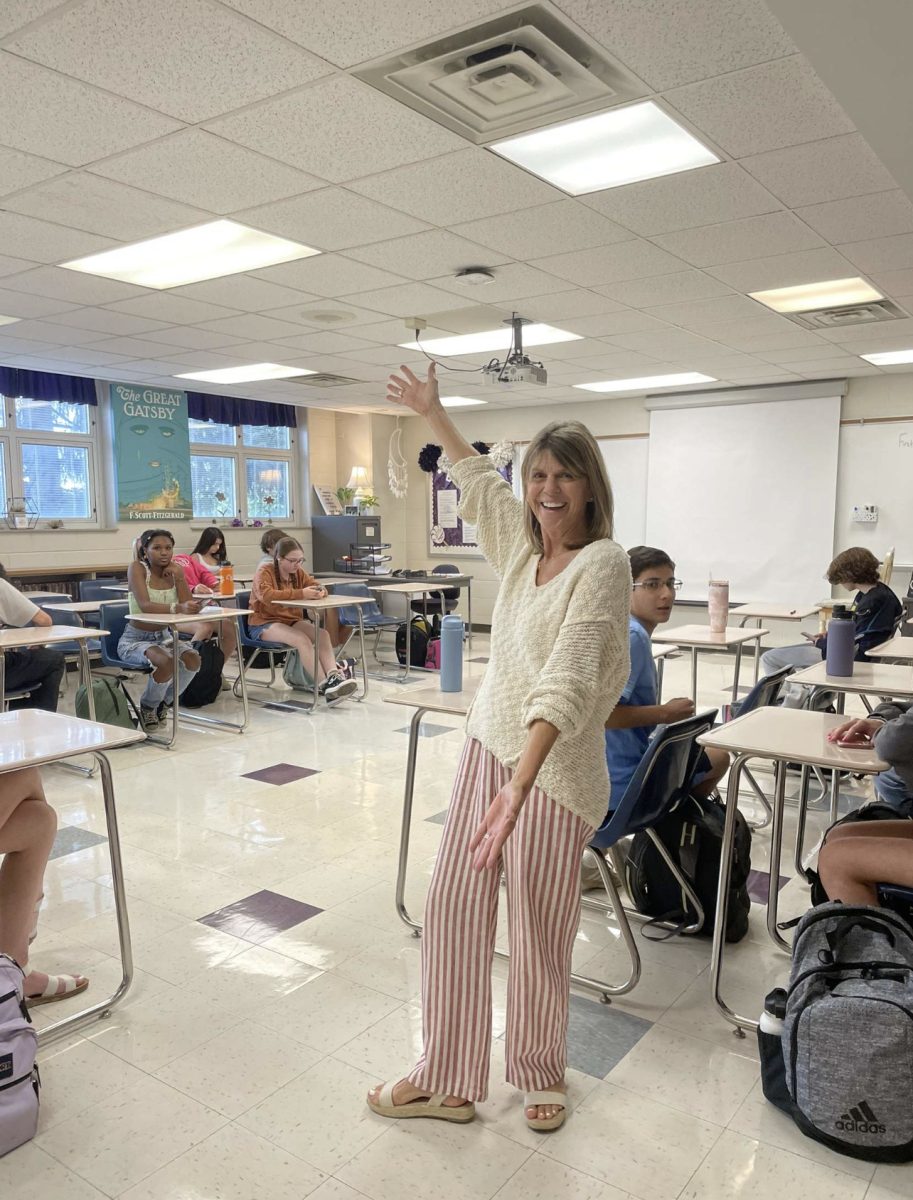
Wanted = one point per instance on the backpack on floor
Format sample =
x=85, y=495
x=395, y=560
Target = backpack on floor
x=842, y=1066
x=111, y=707
x=693, y=836
x=295, y=674
x=207, y=683
x=876, y=811
x=19, y=1080
x=433, y=654
x=420, y=631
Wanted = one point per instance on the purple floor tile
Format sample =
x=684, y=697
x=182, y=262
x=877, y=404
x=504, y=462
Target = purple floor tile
x=759, y=884
x=428, y=730
x=479, y=660
x=259, y=917
x=280, y=773
x=438, y=818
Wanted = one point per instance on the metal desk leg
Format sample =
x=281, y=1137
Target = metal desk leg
x=411, y=754
x=694, y=675
x=85, y=677
x=757, y=653
x=722, y=903
x=469, y=607
x=2, y=681
x=103, y=1007
x=776, y=850
x=735, y=677
x=198, y=719
x=660, y=669
x=364, y=658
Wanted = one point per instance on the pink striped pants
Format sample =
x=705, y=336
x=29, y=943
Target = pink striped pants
x=541, y=865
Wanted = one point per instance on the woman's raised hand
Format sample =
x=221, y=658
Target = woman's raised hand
x=407, y=389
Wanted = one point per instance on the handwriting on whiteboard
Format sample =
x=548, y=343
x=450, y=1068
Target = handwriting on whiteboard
x=905, y=440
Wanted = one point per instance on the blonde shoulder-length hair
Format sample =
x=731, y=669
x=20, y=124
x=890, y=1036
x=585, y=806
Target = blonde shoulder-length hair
x=575, y=448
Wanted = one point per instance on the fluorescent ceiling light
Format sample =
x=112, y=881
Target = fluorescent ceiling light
x=459, y=401
x=246, y=374
x=624, y=145
x=647, y=382
x=204, y=252
x=889, y=358
x=492, y=339
x=828, y=294
x=8, y=320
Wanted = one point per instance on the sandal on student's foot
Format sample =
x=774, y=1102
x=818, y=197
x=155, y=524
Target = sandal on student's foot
x=72, y=985
x=432, y=1107
x=546, y=1124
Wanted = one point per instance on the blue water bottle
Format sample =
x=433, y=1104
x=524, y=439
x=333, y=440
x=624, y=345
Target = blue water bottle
x=841, y=642
x=452, y=653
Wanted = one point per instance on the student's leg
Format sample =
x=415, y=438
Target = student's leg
x=855, y=858
x=188, y=666
x=300, y=637
x=706, y=782
x=39, y=668
x=796, y=657
x=27, y=828
x=891, y=789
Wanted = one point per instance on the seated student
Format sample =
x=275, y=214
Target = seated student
x=268, y=540
x=857, y=857
x=889, y=729
x=635, y=717
x=27, y=828
x=201, y=570
x=38, y=668
x=876, y=611
x=283, y=578
x=157, y=585
x=339, y=634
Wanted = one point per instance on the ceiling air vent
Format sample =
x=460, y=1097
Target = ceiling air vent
x=873, y=313
x=515, y=72
x=323, y=380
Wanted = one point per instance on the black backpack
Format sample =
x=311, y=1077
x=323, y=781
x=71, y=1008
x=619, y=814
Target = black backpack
x=693, y=836
x=877, y=811
x=207, y=683
x=420, y=631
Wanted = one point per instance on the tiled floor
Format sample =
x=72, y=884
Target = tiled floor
x=275, y=984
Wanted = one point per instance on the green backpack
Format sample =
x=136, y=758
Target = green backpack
x=111, y=706
x=295, y=674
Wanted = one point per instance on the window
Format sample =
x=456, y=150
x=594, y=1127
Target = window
x=49, y=445
x=244, y=471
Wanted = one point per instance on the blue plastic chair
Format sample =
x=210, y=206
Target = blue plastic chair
x=70, y=649
x=97, y=589
x=374, y=619
x=274, y=651
x=660, y=782
x=765, y=693
x=898, y=898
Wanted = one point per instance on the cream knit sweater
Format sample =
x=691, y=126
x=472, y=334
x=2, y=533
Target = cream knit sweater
x=559, y=652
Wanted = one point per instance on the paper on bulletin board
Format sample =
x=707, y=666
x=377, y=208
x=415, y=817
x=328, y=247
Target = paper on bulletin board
x=469, y=534
x=447, y=511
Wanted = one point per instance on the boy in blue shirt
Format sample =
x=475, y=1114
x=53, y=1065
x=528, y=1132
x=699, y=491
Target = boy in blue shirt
x=637, y=714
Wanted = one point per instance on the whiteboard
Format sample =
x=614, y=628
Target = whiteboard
x=746, y=492
x=626, y=461
x=876, y=467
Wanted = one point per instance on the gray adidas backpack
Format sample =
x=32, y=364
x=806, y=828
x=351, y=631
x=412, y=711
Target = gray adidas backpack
x=843, y=1065
x=19, y=1082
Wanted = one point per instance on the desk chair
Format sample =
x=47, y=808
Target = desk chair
x=887, y=566
x=275, y=651
x=443, y=602
x=764, y=693
x=374, y=619
x=20, y=693
x=69, y=649
x=898, y=898
x=96, y=589
x=113, y=615
x=659, y=783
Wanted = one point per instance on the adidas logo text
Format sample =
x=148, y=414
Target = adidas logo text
x=860, y=1119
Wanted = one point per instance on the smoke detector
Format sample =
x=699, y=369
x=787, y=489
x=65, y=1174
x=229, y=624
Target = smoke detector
x=474, y=276
x=873, y=313
x=515, y=72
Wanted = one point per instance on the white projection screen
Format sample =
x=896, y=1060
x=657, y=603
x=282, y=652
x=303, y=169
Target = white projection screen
x=746, y=492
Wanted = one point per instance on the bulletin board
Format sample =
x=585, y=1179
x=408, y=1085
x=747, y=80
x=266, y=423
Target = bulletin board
x=448, y=535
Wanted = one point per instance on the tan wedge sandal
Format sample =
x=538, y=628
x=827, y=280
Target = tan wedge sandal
x=432, y=1107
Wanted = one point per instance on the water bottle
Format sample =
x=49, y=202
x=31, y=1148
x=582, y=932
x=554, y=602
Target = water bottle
x=226, y=580
x=774, y=1012
x=452, y=653
x=841, y=642
x=718, y=605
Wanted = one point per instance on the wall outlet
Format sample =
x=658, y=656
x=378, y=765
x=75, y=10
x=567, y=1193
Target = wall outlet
x=865, y=514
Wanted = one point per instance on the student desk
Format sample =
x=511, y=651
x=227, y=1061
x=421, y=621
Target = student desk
x=36, y=635
x=175, y=622
x=412, y=589
x=317, y=608
x=897, y=647
x=34, y=738
x=75, y=606
x=779, y=735
x=660, y=654
x=770, y=612
x=456, y=704
x=699, y=637
x=39, y=597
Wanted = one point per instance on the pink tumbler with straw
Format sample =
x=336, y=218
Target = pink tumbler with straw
x=718, y=604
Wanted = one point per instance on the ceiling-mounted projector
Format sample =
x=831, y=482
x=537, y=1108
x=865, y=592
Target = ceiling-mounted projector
x=517, y=367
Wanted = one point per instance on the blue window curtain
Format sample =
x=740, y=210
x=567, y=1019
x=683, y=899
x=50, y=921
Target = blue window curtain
x=42, y=385
x=230, y=410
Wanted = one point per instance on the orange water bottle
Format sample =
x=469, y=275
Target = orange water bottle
x=226, y=580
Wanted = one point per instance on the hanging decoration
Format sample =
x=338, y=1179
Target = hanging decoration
x=397, y=468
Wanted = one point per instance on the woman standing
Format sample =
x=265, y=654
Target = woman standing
x=532, y=783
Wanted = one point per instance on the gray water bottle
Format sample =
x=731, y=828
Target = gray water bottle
x=841, y=642
x=452, y=653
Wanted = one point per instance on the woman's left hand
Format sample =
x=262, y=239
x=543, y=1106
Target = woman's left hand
x=497, y=826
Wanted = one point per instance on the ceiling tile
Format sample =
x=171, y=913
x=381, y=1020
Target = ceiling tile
x=192, y=61
x=608, y=264
x=353, y=130
x=349, y=33
x=762, y=108
x=330, y=275
x=782, y=339
x=576, y=303
x=48, y=331
x=614, y=360
x=412, y=300
x=713, y=38
x=130, y=347
x=246, y=293
x=22, y=304
x=702, y=315
x=826, y=170
x=664, y=289
x=723, y=192
x=21, y=12
x=91, y=356
x=609, y=324
x=44, y=242
x=753, y=237
x=881, y=254
x=514, y=281
x=200, y=169
x=66, y=121
x=322, y=315
x=667, y=341
x=325, y=343
x=101, y=206
x=804, y=353
x=784, y=270
x=14, y=266
x=73, y=285
x=895, y=283
x=428, y=255
x=104, y=321
x=547, y=229
x=174, y=310
x=190, y=337
x=330, y=219
x=253, y=326
x=900, y=330
x=861, y=217
x=465, y=186
x=18, y=170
